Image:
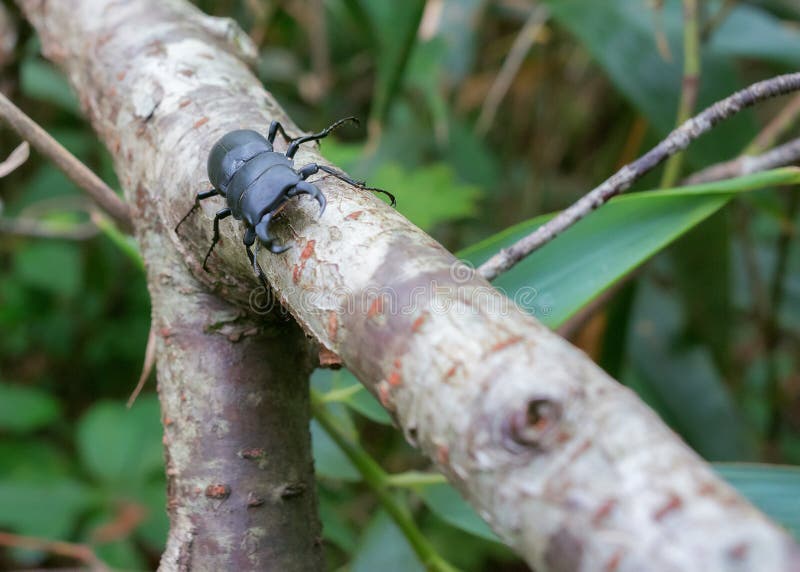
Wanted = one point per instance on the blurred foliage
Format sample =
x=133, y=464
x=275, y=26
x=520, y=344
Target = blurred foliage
x=708, y=333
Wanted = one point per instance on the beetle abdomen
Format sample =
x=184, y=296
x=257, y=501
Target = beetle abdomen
x=230, y=152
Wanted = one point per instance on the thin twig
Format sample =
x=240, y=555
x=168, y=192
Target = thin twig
x=320, y=50
x=16, y=158
x=676, y=141
x=689, y=85
x=779, y=125
x=76, y=171
x=519, y=50
x=80, y=552
x=780, y=156
x=147, y=366
x=33, y=228
x=717, y=19
x=662, y=44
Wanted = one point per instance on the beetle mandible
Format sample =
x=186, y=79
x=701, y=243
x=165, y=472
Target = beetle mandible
x=256, y=181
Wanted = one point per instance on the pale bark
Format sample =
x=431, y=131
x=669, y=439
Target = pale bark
x=568, y=467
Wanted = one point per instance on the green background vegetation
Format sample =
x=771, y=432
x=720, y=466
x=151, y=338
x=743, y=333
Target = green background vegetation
x=707, y=332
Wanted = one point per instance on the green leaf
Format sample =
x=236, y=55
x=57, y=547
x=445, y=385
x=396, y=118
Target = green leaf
x=459, y=29
x=31, y=460
x=750, y=32
x=121, y=553
x=40, y=80
x=335, y=527
x=25, y=409
x=560, y=278
x=395, y=25
x=428, y=195
x=354, y=395
x=702, y=272
x=384, y=548
x=448, y=504
x=47, y=182
x=53, y=266
x=46, y=509
x=680, y=381
x=119, y=445
x=155, y=527
x=329, y=460
x=773, y=489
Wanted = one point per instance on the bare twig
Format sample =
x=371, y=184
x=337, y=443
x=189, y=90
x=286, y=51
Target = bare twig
x=40, y=229
x=32, y=221
x=662, y=44
x=786, y=154
x=675, y=142
x=76, y=171
x=718, y=18
x=689, y=85
x=320, y=50
x=16, y=158
x=776, y=128
x=519, y=49
x=147, y=367
x=80, y=552
x=8, y=36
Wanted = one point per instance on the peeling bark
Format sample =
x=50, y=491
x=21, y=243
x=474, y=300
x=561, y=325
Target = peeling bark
x=568, y=467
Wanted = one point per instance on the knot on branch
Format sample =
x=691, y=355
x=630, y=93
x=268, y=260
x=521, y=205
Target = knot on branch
x=514, y=432
x=533, y=425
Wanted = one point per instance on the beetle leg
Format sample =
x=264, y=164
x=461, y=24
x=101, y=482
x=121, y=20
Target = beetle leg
x=295, y=143
x=249, y=239
x=343, y=177
x=274, y=128
x=262, y=230
x=221, y=214
x=202, y=195
x=308, y=170
x=306, y=188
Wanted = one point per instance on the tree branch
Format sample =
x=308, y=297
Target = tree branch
x=568, y=467
x=675, y=142
x=80, y=552
x=779, y=125
x=780, y=156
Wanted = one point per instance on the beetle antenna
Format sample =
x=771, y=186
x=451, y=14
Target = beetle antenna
x=295, y=144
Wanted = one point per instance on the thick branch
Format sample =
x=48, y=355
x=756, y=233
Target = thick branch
x=675, y=142
x=234, y=398
x=568, y=467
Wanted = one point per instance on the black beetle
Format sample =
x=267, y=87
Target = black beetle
x=257, y=181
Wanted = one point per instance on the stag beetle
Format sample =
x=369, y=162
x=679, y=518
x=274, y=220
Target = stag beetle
x=256, y=181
